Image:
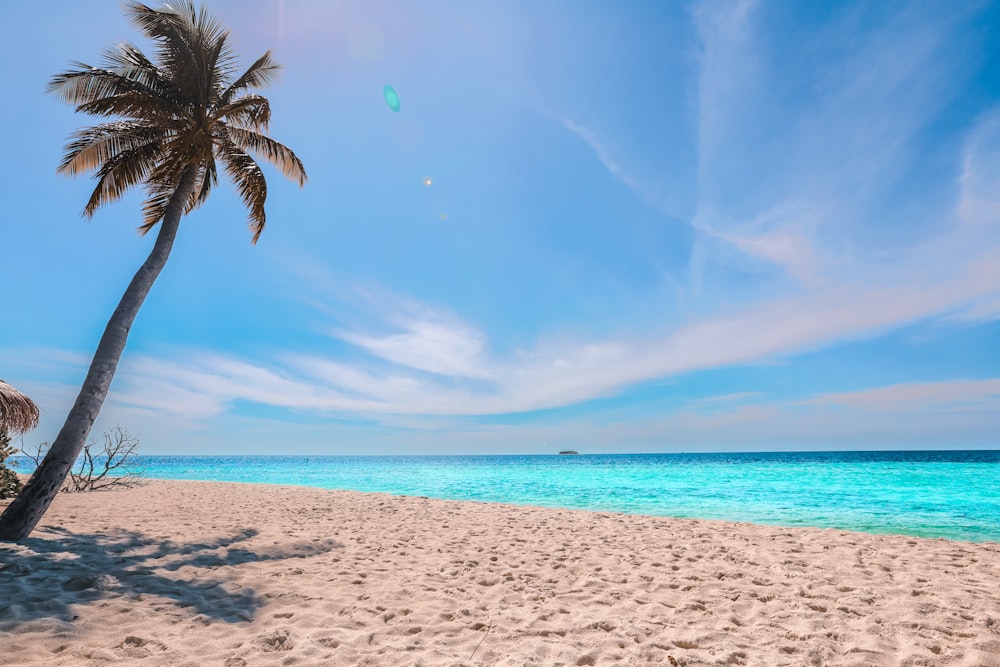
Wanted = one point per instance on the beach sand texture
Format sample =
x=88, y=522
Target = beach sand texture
x=195, y=573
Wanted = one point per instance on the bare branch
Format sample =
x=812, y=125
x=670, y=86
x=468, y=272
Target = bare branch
x=111, y=466
x=36, y=453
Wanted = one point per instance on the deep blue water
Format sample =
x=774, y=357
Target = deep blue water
x=952, y=494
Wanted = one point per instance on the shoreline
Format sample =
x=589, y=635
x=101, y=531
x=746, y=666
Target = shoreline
x=918, y=493
x=229, y=573
x=527, y=504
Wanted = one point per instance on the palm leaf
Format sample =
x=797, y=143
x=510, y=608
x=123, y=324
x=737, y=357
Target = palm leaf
x=173, y=31
x=136, y=107
x=88, y=84
x=120, y=173
x=128, y=61
x=190, y=45
x=92, y=147
x=155, y=205
x=258, y=75
x=185, y=152
x=208, y=178
x=250, y=181
x=252, y=112
x=276, y=153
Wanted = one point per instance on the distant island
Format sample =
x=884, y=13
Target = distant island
x=569, y=451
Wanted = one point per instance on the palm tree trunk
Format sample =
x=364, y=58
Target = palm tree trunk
x=22, y=515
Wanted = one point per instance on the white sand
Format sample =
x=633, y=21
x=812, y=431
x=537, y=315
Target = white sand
x=191, y=573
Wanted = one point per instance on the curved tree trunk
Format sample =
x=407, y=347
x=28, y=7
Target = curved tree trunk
x=21, y=517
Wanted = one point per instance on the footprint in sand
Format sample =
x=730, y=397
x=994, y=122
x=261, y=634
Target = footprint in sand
x=328, y=642
x=279, y=640
x=137, y=647
x=83, y=582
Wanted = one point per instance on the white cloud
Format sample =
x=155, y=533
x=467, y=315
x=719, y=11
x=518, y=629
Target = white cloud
x=979, y=182
x=914, y=397
x=791, y=174
x=450, y=372
x=439, y=346
x=984, y=310
x=603, y=154
x=728, y=68
x=781, y=236
x=727, y=400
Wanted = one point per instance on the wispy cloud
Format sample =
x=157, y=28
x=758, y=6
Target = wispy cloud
x=984, y=310
x=445, y=346
x=602, y=151
x=979, y=182
x=725, y=399
x=430, y=369
x=782, y=236
x=949, y=395
x=728, y=69
x=801, y=184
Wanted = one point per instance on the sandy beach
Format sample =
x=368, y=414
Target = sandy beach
x=193, y=573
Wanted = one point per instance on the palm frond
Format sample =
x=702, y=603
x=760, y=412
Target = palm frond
x=208, y=178
x=117, y=175
x=252, y=112
x=221, y=72
x=136, y=107
x=163, y=181
x=172, y=27
x=155, y=205
x=87, y=84
x=258, y=75
x=127, y=60
x=92, y=147
x=274, y=152
x=216, y=61
x=173, y=31
x=250, y=181
x=191, y=45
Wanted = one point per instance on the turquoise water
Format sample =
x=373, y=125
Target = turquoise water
x=931, y=494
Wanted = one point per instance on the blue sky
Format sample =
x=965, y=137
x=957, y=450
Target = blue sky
x=650, y=226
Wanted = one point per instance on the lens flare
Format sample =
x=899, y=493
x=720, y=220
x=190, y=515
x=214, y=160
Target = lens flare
x=391, y=98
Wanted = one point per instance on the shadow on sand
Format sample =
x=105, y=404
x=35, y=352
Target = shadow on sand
x=50, y=576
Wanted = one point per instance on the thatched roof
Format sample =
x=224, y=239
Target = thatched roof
x=18, y=413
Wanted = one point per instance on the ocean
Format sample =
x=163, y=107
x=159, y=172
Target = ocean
x=949, y=494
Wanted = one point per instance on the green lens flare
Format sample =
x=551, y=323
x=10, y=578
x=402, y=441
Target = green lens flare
x=391, y=98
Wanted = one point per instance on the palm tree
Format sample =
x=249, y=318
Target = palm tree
x=172, y=119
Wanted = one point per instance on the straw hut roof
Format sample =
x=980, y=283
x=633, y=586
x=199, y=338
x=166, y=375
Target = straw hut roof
x=18, y=413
